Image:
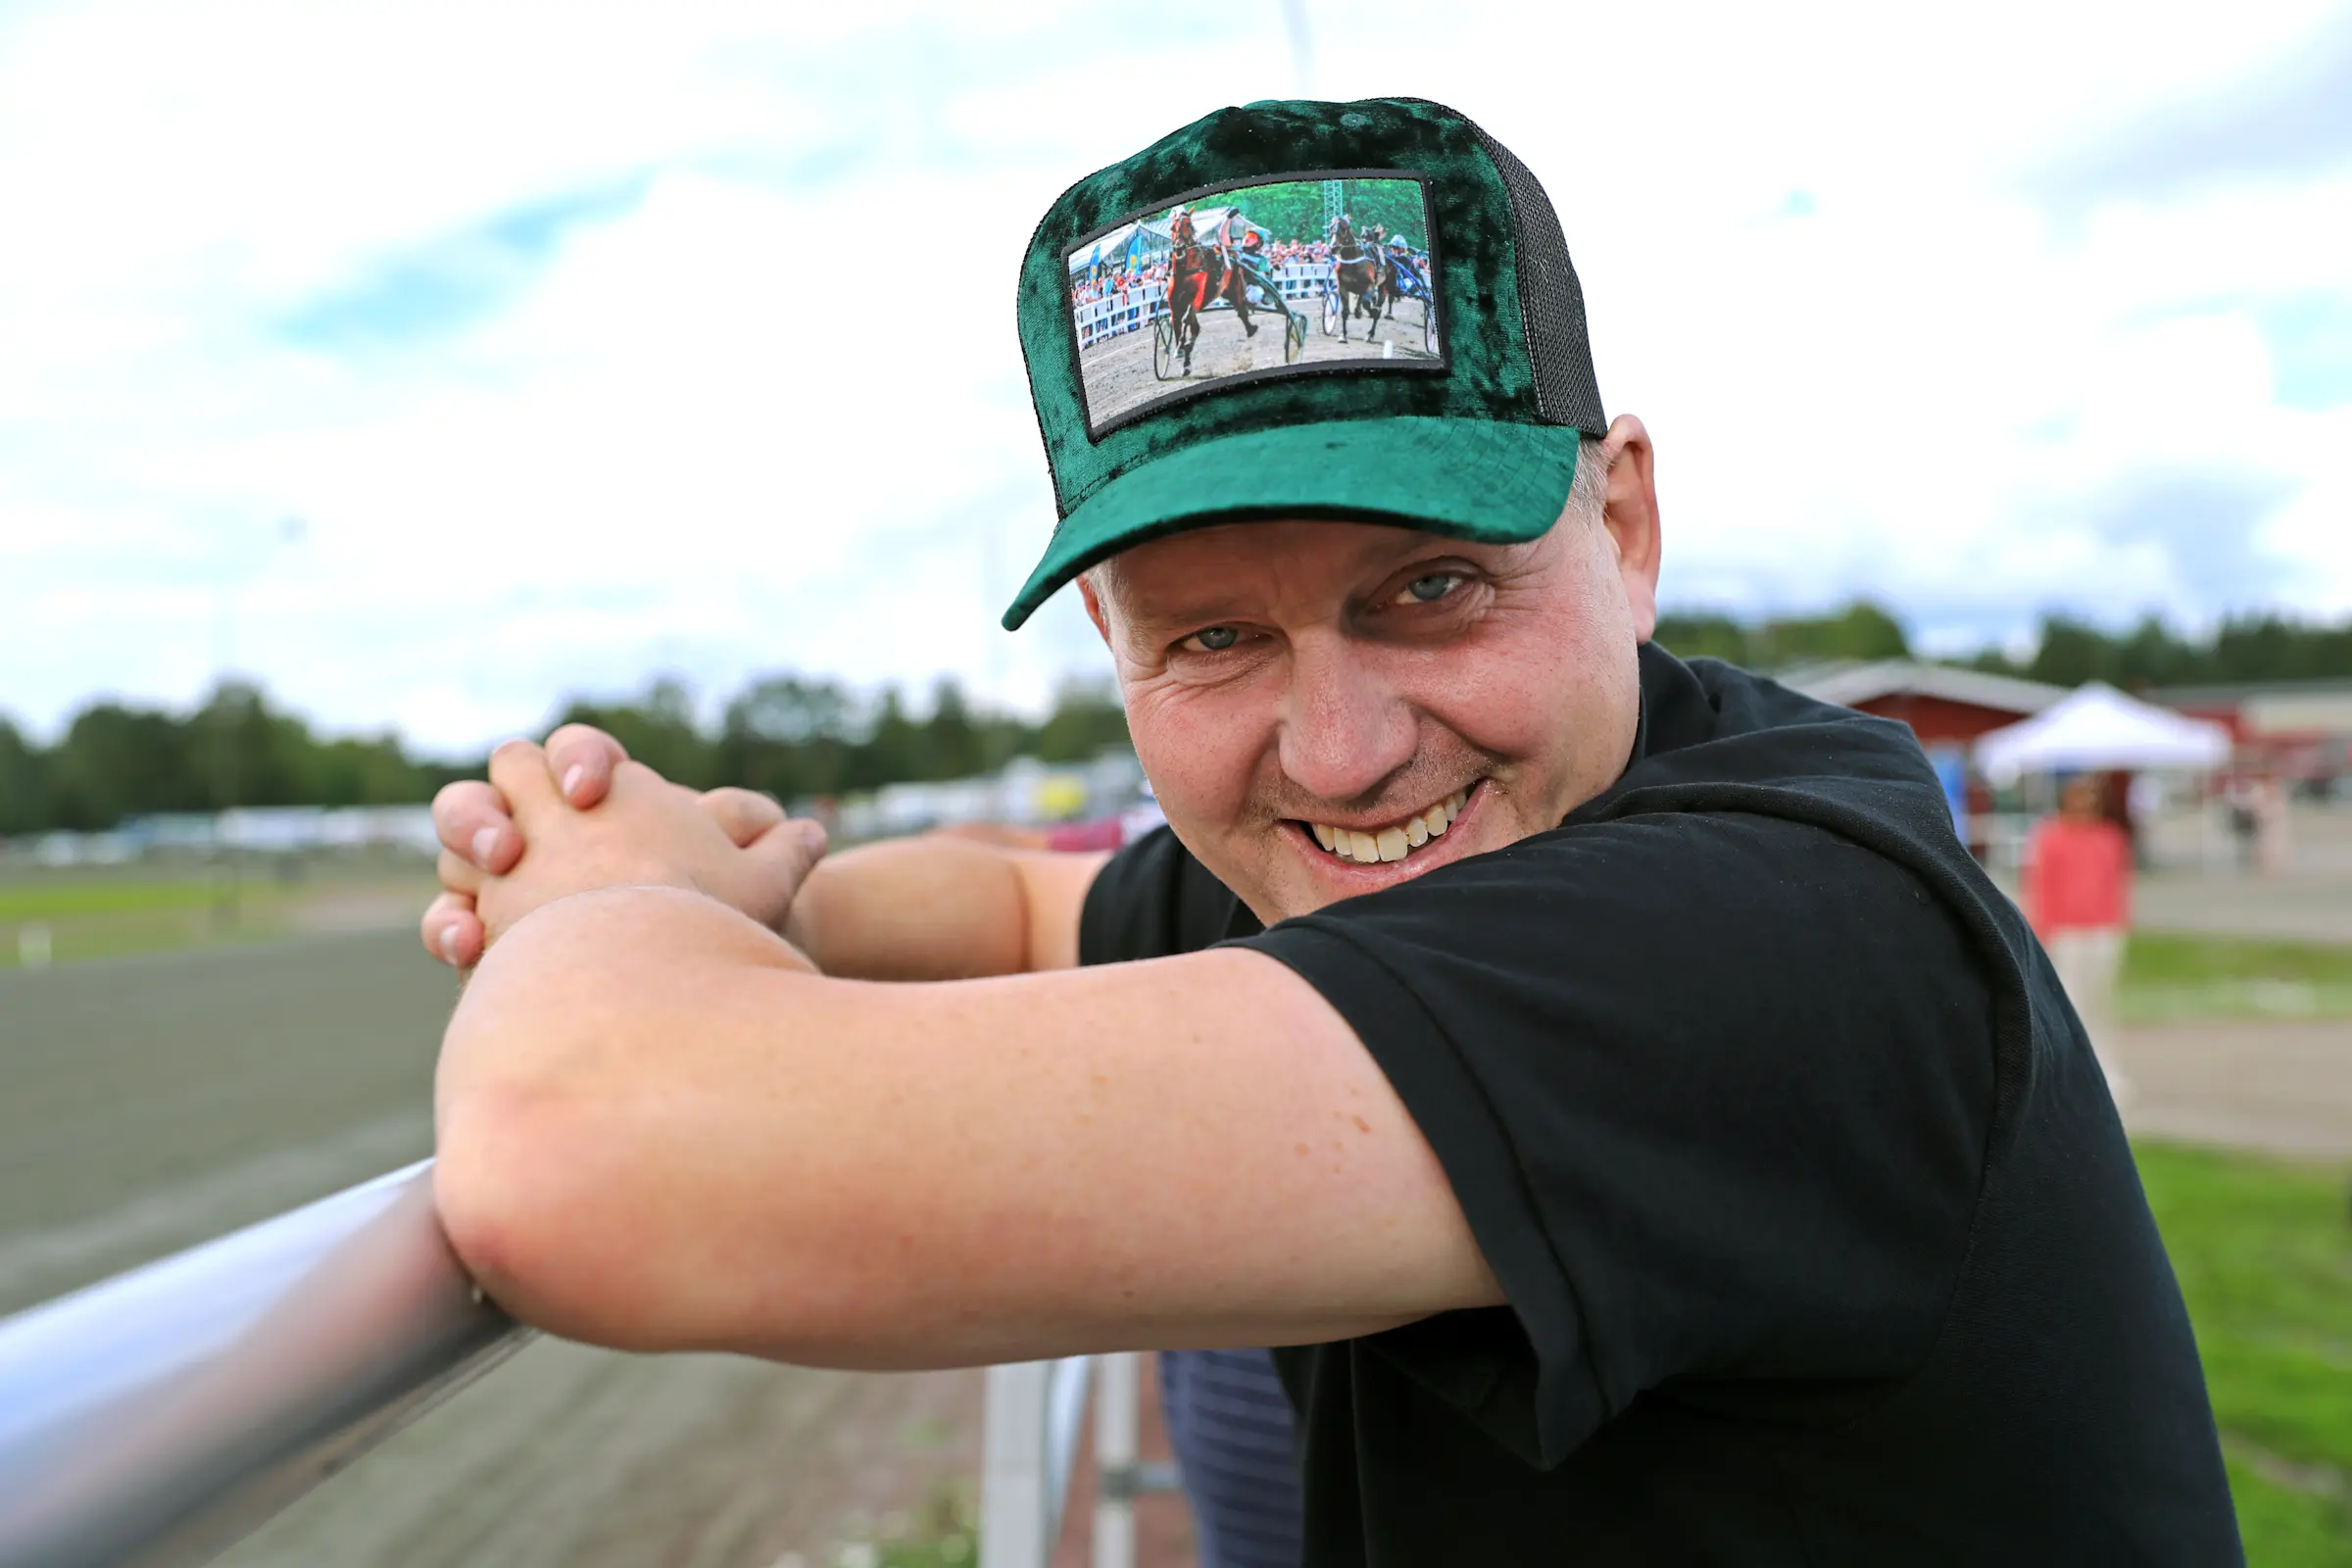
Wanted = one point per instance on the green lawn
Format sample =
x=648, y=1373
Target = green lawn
x=945, y=1533
x=2172, y=974
x=66, y=896
x=79, y=914
x=2264, y=1251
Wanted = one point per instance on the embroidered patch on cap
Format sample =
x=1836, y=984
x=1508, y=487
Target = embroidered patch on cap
x=1310, y=272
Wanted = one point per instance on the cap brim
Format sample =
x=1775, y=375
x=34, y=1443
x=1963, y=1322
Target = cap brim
x=1478, y=479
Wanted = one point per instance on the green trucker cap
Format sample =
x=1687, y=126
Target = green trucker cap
x=1426, y=363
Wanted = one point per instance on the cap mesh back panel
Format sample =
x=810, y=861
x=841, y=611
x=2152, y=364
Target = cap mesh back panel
x=1551, y=298
x=1552, y=303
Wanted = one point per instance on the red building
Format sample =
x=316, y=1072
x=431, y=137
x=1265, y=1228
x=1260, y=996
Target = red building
x=1946, y=708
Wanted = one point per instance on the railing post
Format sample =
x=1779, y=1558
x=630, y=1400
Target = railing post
x=1118, y=1412
x=1029, y=1439
x=1012, y=1467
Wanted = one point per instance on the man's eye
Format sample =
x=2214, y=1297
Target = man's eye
x=1212, y=639
x=1430, y=589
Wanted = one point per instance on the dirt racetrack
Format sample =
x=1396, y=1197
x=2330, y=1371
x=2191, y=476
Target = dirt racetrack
x=2281, y=1085
x=149, y=1103
x=1117, y=371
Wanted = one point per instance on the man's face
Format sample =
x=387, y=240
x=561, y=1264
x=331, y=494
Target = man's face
x=1417, y=697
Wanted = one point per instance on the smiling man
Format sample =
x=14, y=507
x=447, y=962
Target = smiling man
x=1643, y=1131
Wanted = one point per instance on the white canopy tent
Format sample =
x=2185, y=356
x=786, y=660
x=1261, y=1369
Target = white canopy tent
x=1128, y=239
x=2095, y=726
x=1147, y=242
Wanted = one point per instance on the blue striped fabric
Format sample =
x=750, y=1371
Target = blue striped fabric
x=1230, y=1423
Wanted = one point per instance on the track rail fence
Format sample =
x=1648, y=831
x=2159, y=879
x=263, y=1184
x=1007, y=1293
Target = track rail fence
x=159, y=1416
x=1131, y=310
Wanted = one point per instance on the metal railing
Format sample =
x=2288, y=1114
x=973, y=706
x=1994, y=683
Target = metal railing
x=1035, y=1415
x=160, y=1416
x=164, y=1413
x=1029, y=1443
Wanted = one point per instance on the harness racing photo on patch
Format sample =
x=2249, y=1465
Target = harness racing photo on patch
x=1319, y=271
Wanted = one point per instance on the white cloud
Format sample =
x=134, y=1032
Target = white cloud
x=597, y=341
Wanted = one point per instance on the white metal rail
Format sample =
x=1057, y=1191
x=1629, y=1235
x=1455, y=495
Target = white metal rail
x=161, y=1415
x=166, y=1412
x=1035, y=1415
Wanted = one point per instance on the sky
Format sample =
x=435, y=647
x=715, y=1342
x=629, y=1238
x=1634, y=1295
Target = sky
x=430, y=362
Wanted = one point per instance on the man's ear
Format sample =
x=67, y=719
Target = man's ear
x=1094, y=603
x=1631, y=514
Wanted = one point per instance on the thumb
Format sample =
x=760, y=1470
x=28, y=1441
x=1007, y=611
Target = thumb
x=741, y=814
x=782, y=859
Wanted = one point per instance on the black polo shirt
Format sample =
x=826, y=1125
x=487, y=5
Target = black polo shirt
x=1821, y=1238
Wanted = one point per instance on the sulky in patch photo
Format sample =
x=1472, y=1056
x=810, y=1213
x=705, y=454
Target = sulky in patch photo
x=1312, y=272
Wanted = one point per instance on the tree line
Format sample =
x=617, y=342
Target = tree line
x=795, y=737
x=2067, y=651
x=1292, y=209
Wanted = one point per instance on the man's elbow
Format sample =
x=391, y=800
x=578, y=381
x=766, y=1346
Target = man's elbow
x=473, y=1190
x=534, y=1167
x=554, y=1222
x=516, y=1204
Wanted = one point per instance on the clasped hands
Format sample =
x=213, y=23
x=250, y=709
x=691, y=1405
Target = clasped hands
x=575, y=815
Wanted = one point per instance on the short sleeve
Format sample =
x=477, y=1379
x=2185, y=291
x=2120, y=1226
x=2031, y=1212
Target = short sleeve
x=1713, y=1090
x=1151, y=899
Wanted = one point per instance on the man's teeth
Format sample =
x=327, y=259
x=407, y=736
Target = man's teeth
x=1391, y=843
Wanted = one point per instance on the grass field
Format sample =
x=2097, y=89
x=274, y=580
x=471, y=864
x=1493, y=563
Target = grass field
x=2173, y=975
x=63, y=916
x=2264, y=1251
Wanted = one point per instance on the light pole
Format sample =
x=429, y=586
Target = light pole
x=227, y=782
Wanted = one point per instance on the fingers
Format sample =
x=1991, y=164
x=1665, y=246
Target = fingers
x=580, y=758
x=473, y=823
x=452, y=931
x=786, y=856
x=519, y=770
x=744, y=814
x=460, y=875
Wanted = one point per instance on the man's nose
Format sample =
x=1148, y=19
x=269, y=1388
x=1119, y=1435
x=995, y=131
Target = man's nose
x=1344, y=728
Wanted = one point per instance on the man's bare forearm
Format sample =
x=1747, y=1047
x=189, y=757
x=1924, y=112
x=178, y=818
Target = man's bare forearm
x=940, y=908
x=658, y=1132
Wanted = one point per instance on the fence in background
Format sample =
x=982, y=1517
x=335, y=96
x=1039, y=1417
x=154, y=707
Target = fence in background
x=163, y=1414
x=1133, y=309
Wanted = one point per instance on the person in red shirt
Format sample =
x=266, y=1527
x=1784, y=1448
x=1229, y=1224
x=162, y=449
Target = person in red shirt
x=2077, y=887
